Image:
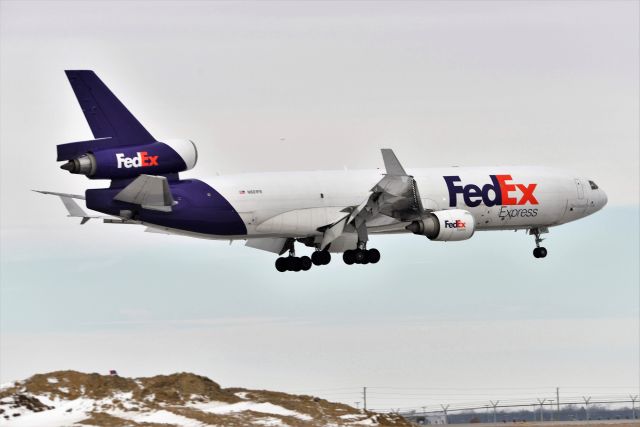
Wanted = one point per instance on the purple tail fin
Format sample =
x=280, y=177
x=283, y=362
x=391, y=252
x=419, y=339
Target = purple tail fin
x=106, y=115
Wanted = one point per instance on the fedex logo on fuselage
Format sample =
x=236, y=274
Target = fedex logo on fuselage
x=141, y=160
x=501, y=191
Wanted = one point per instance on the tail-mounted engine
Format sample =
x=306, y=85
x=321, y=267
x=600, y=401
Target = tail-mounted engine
x=99, y=159
x=448, y=225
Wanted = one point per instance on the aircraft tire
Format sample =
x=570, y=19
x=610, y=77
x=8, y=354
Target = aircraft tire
x=360, y=256
x=316, y=258
x=326, y=257
x=542, y=252
x=305, y=263
x=294, y=264
x=348, y=257
x=281, y=265
x=373, y=255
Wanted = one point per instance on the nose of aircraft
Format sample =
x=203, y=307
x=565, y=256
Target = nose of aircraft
x=603, y=199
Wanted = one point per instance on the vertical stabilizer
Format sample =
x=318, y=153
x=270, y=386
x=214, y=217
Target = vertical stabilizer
x=106, y=115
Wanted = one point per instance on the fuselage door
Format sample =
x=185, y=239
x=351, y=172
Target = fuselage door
x=580, y=188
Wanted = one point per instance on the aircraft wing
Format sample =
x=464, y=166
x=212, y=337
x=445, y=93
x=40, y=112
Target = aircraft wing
x=395, y=195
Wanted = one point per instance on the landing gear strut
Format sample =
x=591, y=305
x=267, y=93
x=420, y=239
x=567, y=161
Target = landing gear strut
x=538, y=251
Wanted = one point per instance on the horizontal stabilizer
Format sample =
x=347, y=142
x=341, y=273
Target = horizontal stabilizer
x=73, y=196
x=150, y=192
x=75, y=211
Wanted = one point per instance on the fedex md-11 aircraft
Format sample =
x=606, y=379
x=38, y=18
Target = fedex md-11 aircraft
x=330, y=211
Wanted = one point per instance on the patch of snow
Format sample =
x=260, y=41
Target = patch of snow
x=267, y=408
x=123, y=396
x=9, y=385
x=268, y=421
x=53, y=417
x=242, y=394
x=52, y=380
x=160, y=417
x=367, y=422
x=125, y=400
x=197, y=397
x=351, y=417
x=64, y=389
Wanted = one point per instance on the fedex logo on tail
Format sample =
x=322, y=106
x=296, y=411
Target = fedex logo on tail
x=141, y=160
x=501, y=191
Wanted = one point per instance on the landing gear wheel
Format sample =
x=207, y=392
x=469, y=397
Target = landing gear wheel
x=373, y=255
x=295, y=264
x=321, y=257
x=349, y=257
x=281, y=265
x=305, y=263
x=540, y=252
x=316, y=258
x=360, y=256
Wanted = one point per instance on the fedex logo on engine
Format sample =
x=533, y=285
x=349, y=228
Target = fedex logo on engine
x=454, y=224
x=141, y=160
x=501, y=191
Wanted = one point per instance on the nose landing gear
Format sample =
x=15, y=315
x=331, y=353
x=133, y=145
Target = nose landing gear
x=538, y=251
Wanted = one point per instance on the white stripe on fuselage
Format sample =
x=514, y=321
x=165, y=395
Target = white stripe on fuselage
x=258, y=197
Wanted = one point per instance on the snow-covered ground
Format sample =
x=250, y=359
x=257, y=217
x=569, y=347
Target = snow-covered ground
x=69, y=398
x=267, y=408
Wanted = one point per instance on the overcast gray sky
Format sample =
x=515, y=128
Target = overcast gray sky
x=288, y=86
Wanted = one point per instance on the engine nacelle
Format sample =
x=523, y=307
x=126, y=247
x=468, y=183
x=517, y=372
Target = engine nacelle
x=156, y=158
x=447, y=225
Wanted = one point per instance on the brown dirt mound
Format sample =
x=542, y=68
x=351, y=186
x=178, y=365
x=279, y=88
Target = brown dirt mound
x=178, y=388
x=173, y=393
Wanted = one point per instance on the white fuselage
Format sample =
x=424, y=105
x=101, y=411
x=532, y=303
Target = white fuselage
x=296, y=204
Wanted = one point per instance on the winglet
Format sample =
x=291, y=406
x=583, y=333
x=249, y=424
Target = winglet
x=391, y=163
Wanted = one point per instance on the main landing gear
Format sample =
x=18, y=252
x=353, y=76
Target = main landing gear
x=361, y=256
x=538, y=251
x=293, y=263
x=321, y=258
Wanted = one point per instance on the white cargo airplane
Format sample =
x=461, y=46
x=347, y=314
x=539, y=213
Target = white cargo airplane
x=330, y=211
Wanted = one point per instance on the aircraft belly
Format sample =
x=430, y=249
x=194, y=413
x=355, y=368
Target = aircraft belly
x=301, y=222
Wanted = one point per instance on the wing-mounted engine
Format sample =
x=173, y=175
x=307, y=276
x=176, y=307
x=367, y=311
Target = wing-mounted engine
x=448, y=225
x=100, y=159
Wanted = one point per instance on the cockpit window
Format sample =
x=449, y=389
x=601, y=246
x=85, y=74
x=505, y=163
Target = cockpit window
x=593, y=185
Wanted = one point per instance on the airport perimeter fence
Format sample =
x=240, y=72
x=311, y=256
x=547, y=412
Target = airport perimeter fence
x=462, y=405
x=540, y=410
